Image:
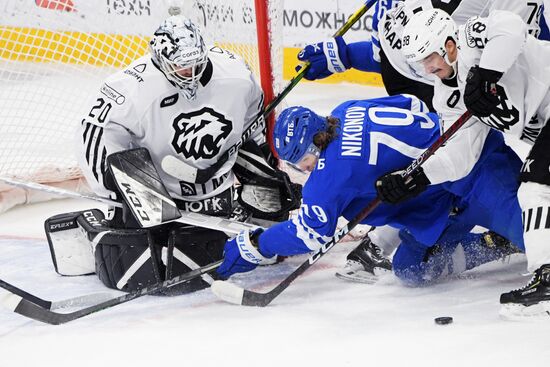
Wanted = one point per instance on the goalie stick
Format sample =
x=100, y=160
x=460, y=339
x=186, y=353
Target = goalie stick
x=194, y=219
x=182, y=171
x=54, y=305
x=234, y=294
x=22, y=303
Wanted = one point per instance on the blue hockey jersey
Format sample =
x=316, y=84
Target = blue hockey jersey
x=375, y=137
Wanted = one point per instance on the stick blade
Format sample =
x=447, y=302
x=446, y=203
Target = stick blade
x=228, y=292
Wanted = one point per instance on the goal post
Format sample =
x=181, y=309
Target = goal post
x=54, y=55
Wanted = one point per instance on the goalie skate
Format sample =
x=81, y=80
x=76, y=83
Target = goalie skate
x=365, y=264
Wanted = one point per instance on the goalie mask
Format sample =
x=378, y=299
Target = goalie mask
x=294, y=132
x=178, y=50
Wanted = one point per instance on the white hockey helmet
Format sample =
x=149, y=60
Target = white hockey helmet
x=426, y=33
x=178, y=50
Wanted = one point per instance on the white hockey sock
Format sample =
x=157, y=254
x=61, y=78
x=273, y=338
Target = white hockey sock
x=534, y=200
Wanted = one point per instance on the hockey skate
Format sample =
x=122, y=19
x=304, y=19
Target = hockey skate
x=365, y=263
x=503, y=247
x=532, y=300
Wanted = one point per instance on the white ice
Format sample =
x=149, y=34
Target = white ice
x=318, y=321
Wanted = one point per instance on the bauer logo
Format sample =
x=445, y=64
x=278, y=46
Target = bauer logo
x=169, y=101
x=112, y=94
x=200, y=134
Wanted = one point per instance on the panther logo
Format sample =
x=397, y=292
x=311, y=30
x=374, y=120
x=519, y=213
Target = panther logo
x=200, y=134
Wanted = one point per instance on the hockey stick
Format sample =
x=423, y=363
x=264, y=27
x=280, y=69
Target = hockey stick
x=194, y=219
x=53, y=305
x=182, y=171
x=232, y=293
x=23, y=304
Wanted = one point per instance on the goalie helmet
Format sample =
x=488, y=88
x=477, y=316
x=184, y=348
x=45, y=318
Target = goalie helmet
x=294, y=131
x=178, y=50
x=427, y=33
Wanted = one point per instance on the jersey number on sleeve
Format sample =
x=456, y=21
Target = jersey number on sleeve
x=100, y=110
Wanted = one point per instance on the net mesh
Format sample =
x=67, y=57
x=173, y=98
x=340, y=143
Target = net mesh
x=55, y=54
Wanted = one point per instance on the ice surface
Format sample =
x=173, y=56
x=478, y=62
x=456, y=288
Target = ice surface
x=319, y=320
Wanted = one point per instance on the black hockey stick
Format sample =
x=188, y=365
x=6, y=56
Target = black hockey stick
x=22, y=302
x=53, y=305
x=194, y=219
x=180, y=170
x=232, y=293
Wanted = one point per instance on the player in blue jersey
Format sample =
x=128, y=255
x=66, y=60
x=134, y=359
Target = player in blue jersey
x=361, y=141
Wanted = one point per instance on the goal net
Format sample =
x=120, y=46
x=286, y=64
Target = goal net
x=54, y=55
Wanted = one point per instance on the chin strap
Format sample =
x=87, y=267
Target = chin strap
x=453, y=65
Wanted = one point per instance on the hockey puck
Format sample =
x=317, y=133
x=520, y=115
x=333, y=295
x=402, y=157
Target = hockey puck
x=443, y=320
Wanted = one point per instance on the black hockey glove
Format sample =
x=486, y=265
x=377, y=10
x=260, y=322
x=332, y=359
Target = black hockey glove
x=392, y=188
x=480, y=95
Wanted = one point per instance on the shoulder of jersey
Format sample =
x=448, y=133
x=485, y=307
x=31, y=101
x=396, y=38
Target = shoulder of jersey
x=140, y=78
x=227, y=64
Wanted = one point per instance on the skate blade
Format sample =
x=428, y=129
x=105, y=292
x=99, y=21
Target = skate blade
x=361, y=276
x=515, y=312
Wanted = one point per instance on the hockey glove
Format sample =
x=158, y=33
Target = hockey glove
x=326, y=58
x=393, y=188
x=241, y=255
x=481, y=93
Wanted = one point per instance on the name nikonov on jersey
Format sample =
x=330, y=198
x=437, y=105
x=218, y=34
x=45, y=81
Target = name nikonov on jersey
x=352, y=132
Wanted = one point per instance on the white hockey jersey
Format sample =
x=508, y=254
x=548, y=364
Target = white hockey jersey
x=499, y=42
x=390, y=29
x=138, y=107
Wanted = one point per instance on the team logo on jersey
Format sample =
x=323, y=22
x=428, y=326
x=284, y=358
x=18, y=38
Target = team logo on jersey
x=200, y=134
x=187, y=189
x=506, y=114
x=112, y=94
x=140, y=68
x=169, y=101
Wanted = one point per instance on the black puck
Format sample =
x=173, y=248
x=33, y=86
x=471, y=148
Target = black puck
x=443, y=320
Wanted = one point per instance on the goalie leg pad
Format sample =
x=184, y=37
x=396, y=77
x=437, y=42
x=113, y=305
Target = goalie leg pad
x=70, y=238
x=128, y=260
x=190, y=248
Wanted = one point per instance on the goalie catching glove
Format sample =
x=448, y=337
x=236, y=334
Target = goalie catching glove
x=265, y=191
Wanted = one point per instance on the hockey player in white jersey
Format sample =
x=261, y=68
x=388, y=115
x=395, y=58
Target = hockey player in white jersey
x=504, y=76
x=383, y=54
x=186, y=103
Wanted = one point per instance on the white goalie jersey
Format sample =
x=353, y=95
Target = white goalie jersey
x=392, y=23
x=138, y=107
